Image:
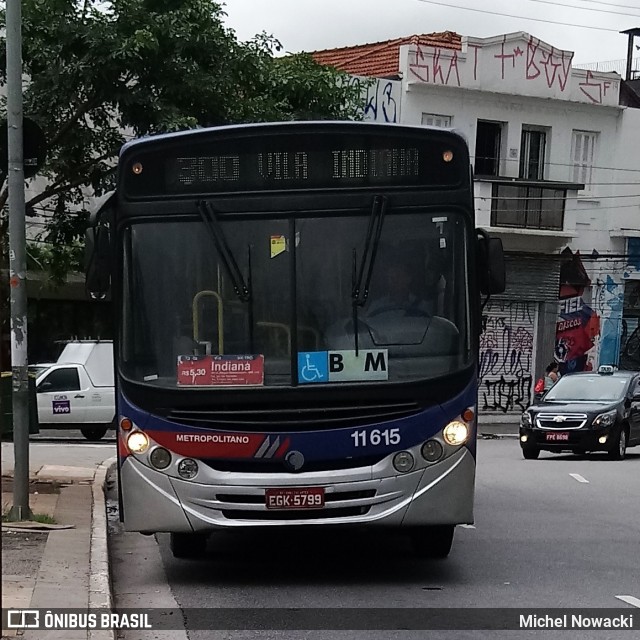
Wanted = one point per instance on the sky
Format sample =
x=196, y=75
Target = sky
x=305, y=25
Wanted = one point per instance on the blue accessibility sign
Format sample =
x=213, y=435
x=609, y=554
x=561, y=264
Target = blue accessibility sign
x=313, y=366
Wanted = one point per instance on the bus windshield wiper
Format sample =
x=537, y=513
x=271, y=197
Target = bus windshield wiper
x=211, y=222
x=360, y=284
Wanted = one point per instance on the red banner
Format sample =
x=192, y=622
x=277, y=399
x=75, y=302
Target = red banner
x=210, y=444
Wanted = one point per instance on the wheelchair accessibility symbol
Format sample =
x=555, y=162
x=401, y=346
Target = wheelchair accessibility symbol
x=313, y=366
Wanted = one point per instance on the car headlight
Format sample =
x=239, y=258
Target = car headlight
x=605, y=419
x=455, y=433
x=526, y=420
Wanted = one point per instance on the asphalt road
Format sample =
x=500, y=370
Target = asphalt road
x=561, y=531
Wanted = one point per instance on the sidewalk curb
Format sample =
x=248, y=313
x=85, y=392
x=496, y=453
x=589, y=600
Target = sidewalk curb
x=100, y=594
x=497, y=436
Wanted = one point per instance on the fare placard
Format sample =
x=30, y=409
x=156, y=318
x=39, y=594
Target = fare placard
x=221, y=371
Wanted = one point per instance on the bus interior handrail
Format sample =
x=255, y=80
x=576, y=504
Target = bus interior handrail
x=220, y=313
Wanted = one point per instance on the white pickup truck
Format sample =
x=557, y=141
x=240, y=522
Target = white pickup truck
x=77, y=392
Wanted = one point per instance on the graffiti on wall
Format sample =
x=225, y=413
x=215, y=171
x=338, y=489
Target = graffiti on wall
x=609, y=301
x=533, y=61
x=578, y=325
x=506, y=356
x=381, y=99
x=435, y=65
x=553, y=66
x=594, y=89
x=630, y=338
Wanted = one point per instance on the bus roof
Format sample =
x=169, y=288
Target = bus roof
x=292, y=124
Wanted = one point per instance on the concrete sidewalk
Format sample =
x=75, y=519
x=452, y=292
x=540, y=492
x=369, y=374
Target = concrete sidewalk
x=66, y=566
x=506, y=429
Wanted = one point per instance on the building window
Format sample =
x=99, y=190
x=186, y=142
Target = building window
x=527, y=207
x=435, y=120
x=582, y=154
x=532, y=153
x=488, y=141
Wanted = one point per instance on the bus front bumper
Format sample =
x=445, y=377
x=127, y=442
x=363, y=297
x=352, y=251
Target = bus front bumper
x=441, y=493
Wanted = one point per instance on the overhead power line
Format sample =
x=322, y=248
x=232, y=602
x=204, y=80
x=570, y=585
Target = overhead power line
x=581, y=197
x=510, y=15
x=611, y=4
x=543, y=210
x=565, y=164
x=573, y=6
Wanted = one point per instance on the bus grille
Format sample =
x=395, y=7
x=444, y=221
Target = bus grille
x=302, y=418
x=278, y=466
x=301, y=514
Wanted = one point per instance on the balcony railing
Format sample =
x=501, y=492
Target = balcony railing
x=525, y=204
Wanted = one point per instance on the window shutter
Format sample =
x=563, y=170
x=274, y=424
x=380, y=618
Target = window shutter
x=583, y=154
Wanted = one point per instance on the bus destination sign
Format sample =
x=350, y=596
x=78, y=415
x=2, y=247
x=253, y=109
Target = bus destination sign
x=293, y=162
x=283, y=168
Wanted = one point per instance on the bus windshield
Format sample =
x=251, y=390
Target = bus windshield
x=180, y=299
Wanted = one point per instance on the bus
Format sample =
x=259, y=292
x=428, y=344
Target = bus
x=298, y=310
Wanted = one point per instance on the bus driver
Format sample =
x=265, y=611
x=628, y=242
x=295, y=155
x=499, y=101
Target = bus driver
x=399, y=298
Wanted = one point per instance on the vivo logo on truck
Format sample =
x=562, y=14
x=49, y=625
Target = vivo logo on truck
x=61, y=406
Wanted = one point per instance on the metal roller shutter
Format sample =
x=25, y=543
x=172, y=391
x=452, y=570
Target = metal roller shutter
x=532, y=278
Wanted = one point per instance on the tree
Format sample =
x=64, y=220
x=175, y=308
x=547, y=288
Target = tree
x=102, y=72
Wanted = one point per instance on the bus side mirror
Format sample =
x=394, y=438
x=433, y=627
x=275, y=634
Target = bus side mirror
x=491, y=268
x=97, y=261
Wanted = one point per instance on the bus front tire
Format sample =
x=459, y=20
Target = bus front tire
x=93, y=433
x=187, y=545
x=432, y=542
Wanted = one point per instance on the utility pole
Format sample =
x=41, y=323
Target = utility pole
x=17, y=264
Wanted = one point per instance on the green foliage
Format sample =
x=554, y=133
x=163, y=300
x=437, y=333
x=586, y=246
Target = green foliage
x=55, y=258
x=102, y=72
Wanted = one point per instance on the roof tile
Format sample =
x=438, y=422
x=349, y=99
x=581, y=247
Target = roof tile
x=381, y=59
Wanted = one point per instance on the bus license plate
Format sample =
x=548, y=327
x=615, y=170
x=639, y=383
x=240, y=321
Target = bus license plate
x=295, y=498
x=558, y=437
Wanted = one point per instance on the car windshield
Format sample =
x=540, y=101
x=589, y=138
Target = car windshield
x=588, y=388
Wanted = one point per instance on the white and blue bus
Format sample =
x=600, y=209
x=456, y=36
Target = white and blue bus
x=298, y=308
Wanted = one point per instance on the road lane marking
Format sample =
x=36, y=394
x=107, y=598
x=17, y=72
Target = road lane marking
x=467, y=526
x=635, y=602
x=579, y=478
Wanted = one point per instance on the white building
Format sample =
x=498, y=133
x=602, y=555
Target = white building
x=557, y=171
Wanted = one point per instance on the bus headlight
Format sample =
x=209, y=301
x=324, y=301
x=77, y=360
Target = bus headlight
x=160, y=458
x=432, y=451
x=137, y=442
x=403, y=462
x=455, y=433
x=187, y=468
